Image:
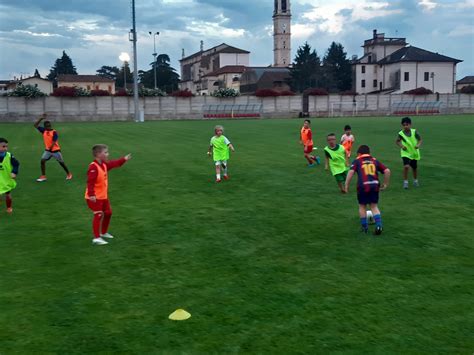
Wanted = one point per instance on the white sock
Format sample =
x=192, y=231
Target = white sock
x=225, y=172
x=405, y=181
x=218, y=176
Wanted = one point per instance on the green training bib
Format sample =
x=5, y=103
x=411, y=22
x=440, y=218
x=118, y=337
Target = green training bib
x=410, y=143
x=337, y=161
x=7, y=183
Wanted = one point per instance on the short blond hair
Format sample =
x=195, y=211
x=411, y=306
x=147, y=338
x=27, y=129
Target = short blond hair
x=218, y=127
x=99, y=148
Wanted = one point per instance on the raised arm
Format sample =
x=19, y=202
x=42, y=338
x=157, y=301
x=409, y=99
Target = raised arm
x=112, y=164
x=38, y=121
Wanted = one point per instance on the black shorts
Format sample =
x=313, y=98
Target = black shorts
x=410, y=162
x=366, y=198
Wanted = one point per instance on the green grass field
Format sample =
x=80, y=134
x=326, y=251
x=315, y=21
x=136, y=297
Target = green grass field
x=271, y=261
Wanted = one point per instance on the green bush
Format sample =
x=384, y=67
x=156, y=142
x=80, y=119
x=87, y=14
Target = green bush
x=28, y=91
x=225, y=93
x=82, y=92
x=144, y=92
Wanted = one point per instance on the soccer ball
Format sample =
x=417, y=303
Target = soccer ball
x=370, y=217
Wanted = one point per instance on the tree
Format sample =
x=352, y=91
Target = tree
x=306, y=70
x=116, y=73
x=62, y=65
x=108, y=72
x=337, y=69
x=166, y=77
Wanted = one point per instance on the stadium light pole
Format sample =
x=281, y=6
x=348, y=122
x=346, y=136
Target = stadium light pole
x=154, y=54
x=124, y=57
x=138, y=117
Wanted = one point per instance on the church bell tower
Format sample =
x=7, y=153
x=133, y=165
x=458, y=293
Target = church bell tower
x=282, y=33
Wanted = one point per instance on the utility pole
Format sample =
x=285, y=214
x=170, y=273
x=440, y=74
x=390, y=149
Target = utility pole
x=138, y=117
x=154, y=54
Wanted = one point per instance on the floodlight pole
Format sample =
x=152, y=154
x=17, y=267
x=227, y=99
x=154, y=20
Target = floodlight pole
x=125, y=76
x=135, y=66
x=154, y=55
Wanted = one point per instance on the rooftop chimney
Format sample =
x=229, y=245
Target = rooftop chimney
x=202, y=46
x=375, y=34
x=182, y=53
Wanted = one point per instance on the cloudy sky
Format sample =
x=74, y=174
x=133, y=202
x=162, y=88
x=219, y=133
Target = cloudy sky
x=33, y=33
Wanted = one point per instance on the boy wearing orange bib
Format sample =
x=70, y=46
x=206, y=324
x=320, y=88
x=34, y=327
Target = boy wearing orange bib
x=51, y=148
x=347, y=140
x=306, y=139
x=97, y=191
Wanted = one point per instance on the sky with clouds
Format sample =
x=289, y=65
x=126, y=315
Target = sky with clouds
x=33, y=33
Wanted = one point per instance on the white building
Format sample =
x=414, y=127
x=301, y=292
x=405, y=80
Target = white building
x=390, y=65
x=43, y=85
x=227, y=77
x=198, y=65
x=87, y=82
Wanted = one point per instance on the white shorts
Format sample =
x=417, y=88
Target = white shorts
x=221, y=162
x=56, y=155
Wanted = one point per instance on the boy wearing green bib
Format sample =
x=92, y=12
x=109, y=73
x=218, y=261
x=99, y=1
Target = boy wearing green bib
x=336, y=161
x=219, y=149
x=409, y=142
x=8, y=171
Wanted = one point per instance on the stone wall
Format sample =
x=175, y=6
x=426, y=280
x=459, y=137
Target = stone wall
x=15, y=109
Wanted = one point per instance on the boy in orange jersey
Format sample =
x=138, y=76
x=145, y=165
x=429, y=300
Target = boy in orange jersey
x=52, y=148
x=306, y=139
x=347, y=140
x=97, y=191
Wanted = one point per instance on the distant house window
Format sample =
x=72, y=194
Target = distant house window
x=36, y=85
x=97, y=87
x=110, y=88
x=362, y=83
x=406, y=76
x=381, y=87
x=89, y=87
x=283, y=6
x=375, y=83
x=427, y=76
x=370, y=59
x=363, y=69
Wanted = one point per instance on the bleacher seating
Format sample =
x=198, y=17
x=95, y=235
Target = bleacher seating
x=232, y=111
x=416, y=108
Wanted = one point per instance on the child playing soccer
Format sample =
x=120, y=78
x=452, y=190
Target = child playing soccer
x=306, y=139
x=219, y=150
x=97, y=191
x=8, y=171
x=409, y=141
x=368, y=186
x=336, y=161
x=347, y=140
x=52, y=148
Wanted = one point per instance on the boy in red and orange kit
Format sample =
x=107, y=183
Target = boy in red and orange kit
x=306, y=139
x=97, y=191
